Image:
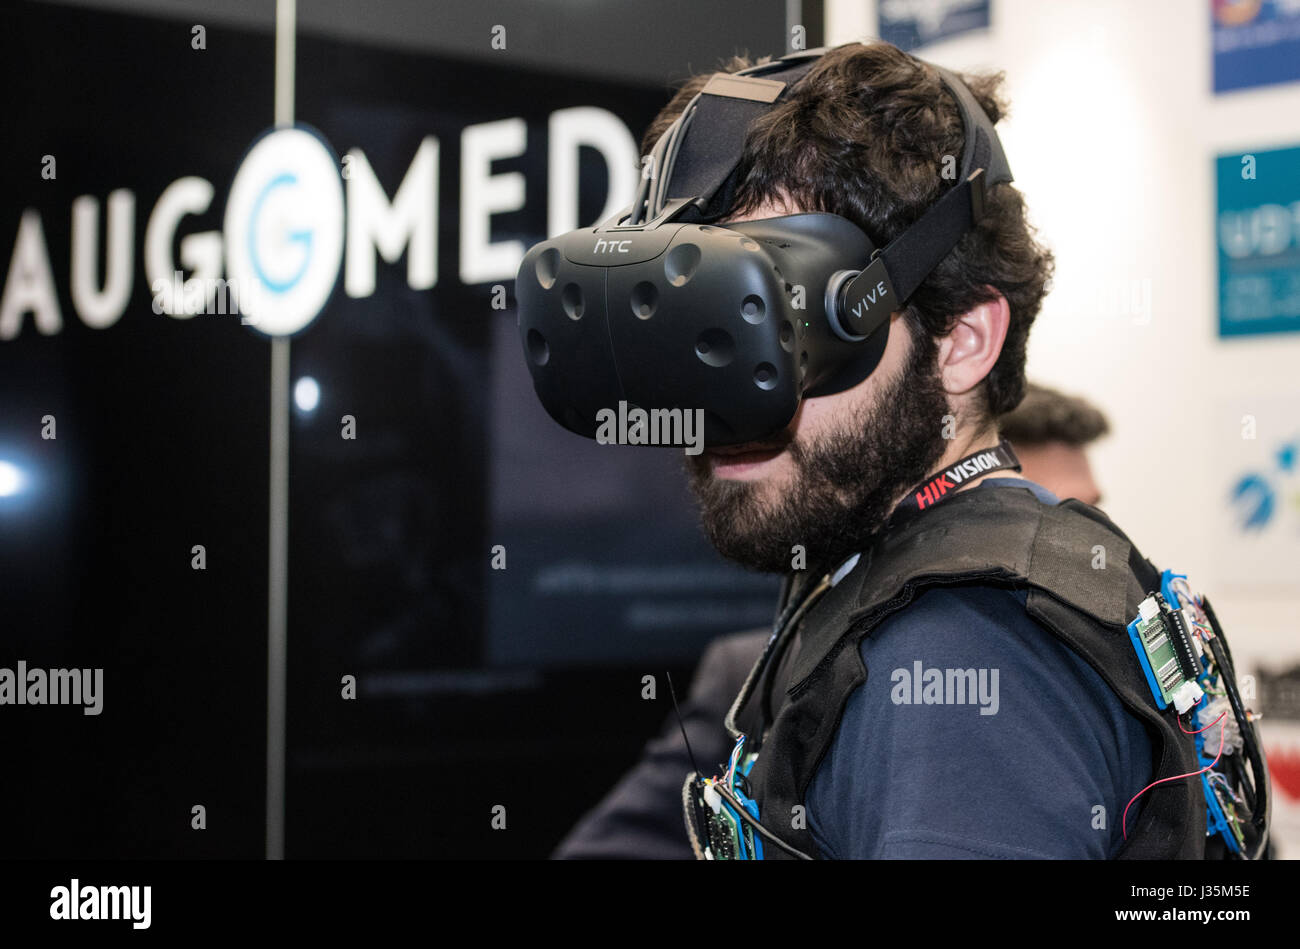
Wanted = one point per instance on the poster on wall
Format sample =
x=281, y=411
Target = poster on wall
x=1257, y=482
x=1256, y=42
x=910, y=24
x=1258, y=240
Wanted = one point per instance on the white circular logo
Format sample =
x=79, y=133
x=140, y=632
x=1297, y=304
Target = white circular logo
x=284, y=230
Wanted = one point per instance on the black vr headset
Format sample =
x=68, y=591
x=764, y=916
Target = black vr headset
x=660, y=308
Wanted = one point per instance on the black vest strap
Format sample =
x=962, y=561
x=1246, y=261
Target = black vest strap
x=1016, y=539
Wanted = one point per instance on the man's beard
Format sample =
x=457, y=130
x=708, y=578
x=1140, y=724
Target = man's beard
x=846, y=481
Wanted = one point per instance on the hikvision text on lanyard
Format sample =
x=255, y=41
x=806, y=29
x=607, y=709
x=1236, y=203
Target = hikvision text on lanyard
x=938, y=486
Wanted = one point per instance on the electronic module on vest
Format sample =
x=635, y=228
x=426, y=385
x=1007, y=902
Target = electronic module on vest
x=1188, y=666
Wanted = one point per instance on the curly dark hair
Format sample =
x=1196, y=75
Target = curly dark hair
x=864, y=135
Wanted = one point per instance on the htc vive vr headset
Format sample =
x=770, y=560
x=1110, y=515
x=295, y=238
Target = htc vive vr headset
x=659, y=307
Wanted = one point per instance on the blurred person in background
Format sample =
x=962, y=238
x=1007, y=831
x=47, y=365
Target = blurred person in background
x=1051, y=432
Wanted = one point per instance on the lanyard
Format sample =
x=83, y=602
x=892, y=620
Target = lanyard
x=942, y=483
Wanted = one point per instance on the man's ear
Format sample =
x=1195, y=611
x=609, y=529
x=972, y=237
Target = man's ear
x=968, y=353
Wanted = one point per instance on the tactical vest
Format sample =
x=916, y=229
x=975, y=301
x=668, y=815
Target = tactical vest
x=1004, y=537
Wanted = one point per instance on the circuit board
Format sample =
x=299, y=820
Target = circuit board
x=1153, y=634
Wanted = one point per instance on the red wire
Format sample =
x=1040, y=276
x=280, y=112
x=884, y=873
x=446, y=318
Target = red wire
x=1178, y=777
x=1198, y=731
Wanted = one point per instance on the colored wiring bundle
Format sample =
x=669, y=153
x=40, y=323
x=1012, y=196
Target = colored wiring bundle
x=1176, y=615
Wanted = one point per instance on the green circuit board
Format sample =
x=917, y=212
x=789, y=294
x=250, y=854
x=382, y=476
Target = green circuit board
x=1154, y=635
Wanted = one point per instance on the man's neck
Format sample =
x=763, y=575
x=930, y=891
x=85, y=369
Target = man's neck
x=958, y=448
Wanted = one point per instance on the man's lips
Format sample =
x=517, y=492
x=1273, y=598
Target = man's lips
x=742, y=461
x=749, y=448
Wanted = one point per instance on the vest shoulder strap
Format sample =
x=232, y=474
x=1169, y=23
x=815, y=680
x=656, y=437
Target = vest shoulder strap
x=1000, y=536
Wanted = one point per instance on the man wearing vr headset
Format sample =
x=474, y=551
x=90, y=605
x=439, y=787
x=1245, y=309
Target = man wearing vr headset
x=949, y=675
x=865, y=136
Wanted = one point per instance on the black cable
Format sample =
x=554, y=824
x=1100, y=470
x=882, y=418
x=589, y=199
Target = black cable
x=672, y=693
x=753, y=822
x=1261, y=811
x=1240, y=779
x=700, y=817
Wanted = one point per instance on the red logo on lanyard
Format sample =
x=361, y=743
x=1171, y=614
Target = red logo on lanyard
x=933, y=491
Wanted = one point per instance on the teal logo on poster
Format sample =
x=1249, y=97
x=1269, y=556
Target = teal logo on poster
x=1258, y=237
x=1259, y=495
